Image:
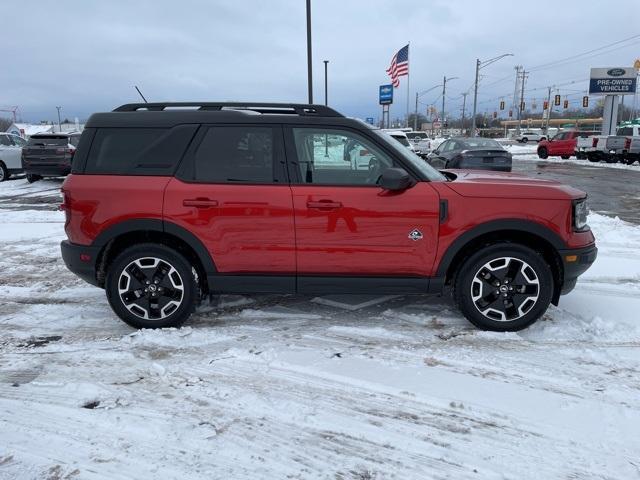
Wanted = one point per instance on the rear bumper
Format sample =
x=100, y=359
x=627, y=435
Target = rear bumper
x=80, y=260
x=575, y=262
x=48, y=170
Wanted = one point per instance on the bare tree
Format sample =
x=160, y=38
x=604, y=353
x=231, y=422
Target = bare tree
x=4, y=124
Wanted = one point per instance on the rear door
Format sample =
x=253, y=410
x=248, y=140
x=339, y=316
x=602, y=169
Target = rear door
x=346, y=225
x=232, y=192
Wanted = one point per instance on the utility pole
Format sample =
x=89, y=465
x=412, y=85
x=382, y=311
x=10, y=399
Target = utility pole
x=444, y=91
x=464, y=103
x=59, y=125
x=546, y=130
x=309, y=68
x=326, y=89
x=524, y=80
x=475, y=99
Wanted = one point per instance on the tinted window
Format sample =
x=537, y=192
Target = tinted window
x=18, y=141
x=138, y=151
x=481, y=143
x=403, y=140
x=235, y=154
x=338, y=157
x=74, y=139
x=57, y=140
x=626, y=131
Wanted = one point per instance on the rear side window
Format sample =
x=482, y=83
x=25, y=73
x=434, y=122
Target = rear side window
x=625, y=131
x=235, y=154
x=138, y=151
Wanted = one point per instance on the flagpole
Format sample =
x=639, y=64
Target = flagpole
x=408, y=73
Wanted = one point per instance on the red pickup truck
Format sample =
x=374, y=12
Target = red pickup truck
x=563, y=144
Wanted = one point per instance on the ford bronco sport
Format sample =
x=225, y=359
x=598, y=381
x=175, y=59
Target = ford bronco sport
x=167, y=203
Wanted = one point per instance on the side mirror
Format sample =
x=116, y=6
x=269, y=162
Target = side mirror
x=395, y=179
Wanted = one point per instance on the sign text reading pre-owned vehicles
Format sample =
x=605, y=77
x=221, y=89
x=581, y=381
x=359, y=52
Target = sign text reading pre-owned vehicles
x=612, y=81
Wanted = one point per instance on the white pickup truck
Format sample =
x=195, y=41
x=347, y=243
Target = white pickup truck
x=622, y=147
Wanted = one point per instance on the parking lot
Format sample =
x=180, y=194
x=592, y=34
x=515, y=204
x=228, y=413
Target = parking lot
x=333, y=387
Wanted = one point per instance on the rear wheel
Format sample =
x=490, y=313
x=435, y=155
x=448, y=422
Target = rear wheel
x=525, y=140
x=503, y=287
x=542, y=153
x=611, y=159
x=151, y=286
x=4, y=173
x=593, y=158
x=565, y=157
x=32, y=177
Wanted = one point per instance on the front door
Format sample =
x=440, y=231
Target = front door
x=346, y=225
x=231, y=192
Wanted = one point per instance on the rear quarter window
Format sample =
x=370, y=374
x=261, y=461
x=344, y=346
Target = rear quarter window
x=138, y=151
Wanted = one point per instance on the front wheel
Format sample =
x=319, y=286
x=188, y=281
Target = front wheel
x=503, y=287
x=151, y=286
x=32, y=177
x=611, y=159
x=542, y=153
x=525, y=140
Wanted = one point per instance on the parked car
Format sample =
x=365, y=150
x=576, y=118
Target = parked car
x=530, y=136
x=471, y=153
x=10, y=151
x=562, y=144
x=165, y=205
x=421, y=142
x=621, y=147
x=49, y=155
x=401, y=137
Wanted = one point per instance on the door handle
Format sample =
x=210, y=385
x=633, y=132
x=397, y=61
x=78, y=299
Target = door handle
x=321, y=204
x=200, y=202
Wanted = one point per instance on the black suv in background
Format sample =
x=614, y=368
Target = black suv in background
x=49, y=155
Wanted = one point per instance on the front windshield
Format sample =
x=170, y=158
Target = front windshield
x=411, y=158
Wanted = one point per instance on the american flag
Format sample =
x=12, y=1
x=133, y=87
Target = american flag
x=399, y=66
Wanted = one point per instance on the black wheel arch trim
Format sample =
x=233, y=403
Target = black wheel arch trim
x=158, y=225
x=525, y=226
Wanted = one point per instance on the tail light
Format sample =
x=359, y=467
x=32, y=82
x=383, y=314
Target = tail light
x=66, y=151
x=627, y=143
x=364, y=152
x=594, y=142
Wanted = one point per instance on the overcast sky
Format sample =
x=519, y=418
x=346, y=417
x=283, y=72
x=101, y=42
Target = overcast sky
x=87, y=55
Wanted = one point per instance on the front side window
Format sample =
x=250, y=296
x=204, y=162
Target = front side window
x=18, y=141
x=4, y=141
x=338, y=157
x=235, y=154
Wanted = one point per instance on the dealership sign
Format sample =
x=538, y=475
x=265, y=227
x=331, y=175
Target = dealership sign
x=386, y=94
x=613, y=81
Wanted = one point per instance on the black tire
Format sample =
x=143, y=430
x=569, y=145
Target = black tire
x=542, y=153
x=565, y=157
x=32, y=177
x=169, y=288
x=611, y=159
x=525, y=140
x=4, y=173
x=593, y=158
x=517, y=310
x=581, y=156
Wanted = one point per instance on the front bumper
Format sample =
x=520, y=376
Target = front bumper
x=575, y=262
x=81, y=260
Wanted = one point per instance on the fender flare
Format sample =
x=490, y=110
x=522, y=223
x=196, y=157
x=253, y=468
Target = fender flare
x=157, y=225
x=519, y=225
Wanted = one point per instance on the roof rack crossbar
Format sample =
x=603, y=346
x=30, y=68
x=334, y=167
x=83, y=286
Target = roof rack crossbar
x=302, y=109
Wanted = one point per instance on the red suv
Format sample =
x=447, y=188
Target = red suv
x=562, y=144
x=165, y=205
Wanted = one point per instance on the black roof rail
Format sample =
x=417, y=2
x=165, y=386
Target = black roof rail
x=302, y=109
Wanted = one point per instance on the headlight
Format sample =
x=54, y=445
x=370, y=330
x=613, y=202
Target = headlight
x=580, y=211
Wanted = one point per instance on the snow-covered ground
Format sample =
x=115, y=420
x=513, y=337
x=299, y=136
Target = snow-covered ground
x=295, y=387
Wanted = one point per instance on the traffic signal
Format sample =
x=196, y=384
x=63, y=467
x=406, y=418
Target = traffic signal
x=585, y=101
x=495, y=114
x=510, y=113
x=545, y=105
x=566, y=104
x=521, y=106
x=501, y=104
x=556, y=100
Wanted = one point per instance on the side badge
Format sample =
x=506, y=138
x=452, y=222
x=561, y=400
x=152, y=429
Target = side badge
x=415, y=235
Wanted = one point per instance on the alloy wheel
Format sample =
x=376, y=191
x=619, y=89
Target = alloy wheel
x=505, y=289
x=151, y=288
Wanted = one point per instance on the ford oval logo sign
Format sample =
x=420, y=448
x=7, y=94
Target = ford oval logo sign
x=616, y=72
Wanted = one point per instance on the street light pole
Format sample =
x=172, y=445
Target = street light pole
x=444, y=92
x=480, y=65
x=326, y=96
x=464, y=104
x=59, y=125
x=309, y=68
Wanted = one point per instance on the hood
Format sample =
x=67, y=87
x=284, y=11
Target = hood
x=488, y=184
